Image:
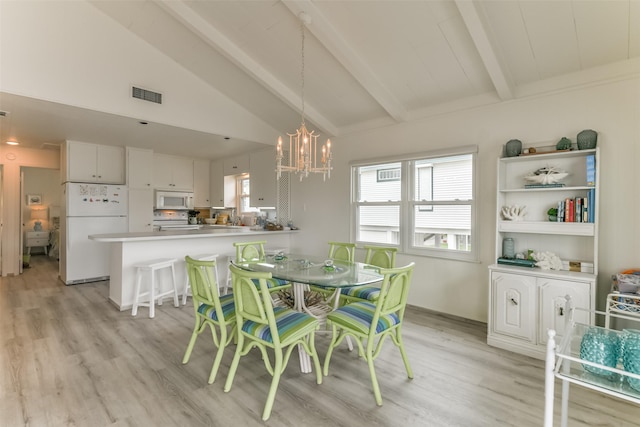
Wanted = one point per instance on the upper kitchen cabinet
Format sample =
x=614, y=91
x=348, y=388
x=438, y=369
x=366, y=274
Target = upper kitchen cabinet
x=236, y=165
x=85, y=162
x=217, y=183
x=139, y=168
x=172, y=172
x=263, y=179
x=201, y=179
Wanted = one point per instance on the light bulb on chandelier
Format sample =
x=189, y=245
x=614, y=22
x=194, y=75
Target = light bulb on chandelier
x=303, y=145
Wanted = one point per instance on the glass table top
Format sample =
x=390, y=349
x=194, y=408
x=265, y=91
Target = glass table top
x=313, y=270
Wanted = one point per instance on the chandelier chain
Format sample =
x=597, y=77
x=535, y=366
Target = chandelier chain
x=302, y=155
x=302, y=69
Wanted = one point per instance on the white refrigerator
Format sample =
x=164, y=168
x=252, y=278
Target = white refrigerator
x=89, y=209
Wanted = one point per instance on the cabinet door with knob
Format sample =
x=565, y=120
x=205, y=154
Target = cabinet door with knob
x=139, y=168
x=140, y=216
x=513, y=298
x=552, y=305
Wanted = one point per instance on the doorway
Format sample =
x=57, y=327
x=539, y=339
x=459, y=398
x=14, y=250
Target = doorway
x=40, y=216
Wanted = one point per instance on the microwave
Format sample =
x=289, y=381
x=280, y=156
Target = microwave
x=174, y=200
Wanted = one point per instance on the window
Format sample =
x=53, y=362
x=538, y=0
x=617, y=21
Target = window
x=422, y=204
x=242, y=194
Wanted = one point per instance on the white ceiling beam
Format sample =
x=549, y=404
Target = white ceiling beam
x=480, y=37
x=333, y=41
x=231, y=51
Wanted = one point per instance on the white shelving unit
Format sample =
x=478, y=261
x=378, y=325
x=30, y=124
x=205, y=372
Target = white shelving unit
x=524, y=302
x=564, y=361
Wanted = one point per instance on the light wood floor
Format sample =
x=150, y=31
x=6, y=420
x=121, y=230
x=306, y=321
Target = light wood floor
x=68, y=357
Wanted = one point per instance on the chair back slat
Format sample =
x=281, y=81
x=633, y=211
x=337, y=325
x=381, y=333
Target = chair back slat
x=250, y=251
x=253, y=302
x=342, y=251
x=202, y=280
x=394, y=292
x=380, y=256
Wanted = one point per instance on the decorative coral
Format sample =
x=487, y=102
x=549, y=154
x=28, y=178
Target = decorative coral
x=547, y=260
x=513, y=213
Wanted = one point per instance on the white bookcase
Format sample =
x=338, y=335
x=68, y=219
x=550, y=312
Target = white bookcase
x=524, y=302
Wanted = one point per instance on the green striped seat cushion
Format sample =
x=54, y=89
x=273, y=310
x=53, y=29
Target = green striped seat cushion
x=370, y=293
x=359, y=315
x=228, y=308
x=288, y=322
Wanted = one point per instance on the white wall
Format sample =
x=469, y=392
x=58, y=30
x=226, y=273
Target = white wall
x=66, y=60
x=461, y=288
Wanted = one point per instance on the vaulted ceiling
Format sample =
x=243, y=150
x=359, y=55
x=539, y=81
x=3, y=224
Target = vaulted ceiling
x=367, y=63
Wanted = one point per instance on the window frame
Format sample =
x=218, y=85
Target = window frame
x=407, y=204
x=241, y=196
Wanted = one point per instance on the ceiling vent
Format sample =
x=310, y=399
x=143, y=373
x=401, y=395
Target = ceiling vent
x=146, y=95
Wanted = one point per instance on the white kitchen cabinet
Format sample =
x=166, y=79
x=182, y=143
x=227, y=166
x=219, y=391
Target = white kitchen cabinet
x=140, y=209
x=87, y=162
x=524, y=301
x=201, y=183
x=172, y=172
x=139, y=168
x=524, y=306
x=217, y=183
x=262, y=169
x=236, y=165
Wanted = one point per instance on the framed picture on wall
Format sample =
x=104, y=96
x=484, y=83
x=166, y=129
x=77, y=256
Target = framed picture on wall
x=34, y=199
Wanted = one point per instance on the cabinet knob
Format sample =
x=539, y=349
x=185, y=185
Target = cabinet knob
x=513, y=301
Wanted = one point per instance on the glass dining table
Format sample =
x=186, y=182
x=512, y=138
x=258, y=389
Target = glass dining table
x=304, y=270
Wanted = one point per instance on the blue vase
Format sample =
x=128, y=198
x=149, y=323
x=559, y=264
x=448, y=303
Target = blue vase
x=631, y=355
x=601, y=346
x=587, y=139
x=513, y=148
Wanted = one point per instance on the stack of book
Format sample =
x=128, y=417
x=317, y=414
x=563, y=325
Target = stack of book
x=578, y=209
x=518, y=262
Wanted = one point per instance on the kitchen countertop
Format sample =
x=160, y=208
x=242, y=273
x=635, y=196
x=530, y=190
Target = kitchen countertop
x=204, y=232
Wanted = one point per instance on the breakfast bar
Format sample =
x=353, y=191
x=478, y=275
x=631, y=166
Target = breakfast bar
x=128, y=249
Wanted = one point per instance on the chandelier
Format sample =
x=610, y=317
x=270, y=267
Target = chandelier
x=302, y=156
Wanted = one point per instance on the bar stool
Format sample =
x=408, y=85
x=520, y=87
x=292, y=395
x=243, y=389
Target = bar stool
x=202, y=257
x=151, y=267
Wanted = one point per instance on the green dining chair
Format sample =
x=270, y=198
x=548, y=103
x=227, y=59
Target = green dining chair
x=380, y=256
x=342, y=251
x=260, y=324
x=254, y=252
x=369, y=323
x=217, y=312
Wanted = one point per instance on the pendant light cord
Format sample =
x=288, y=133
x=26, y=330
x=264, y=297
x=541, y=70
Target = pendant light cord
x=302, y=69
